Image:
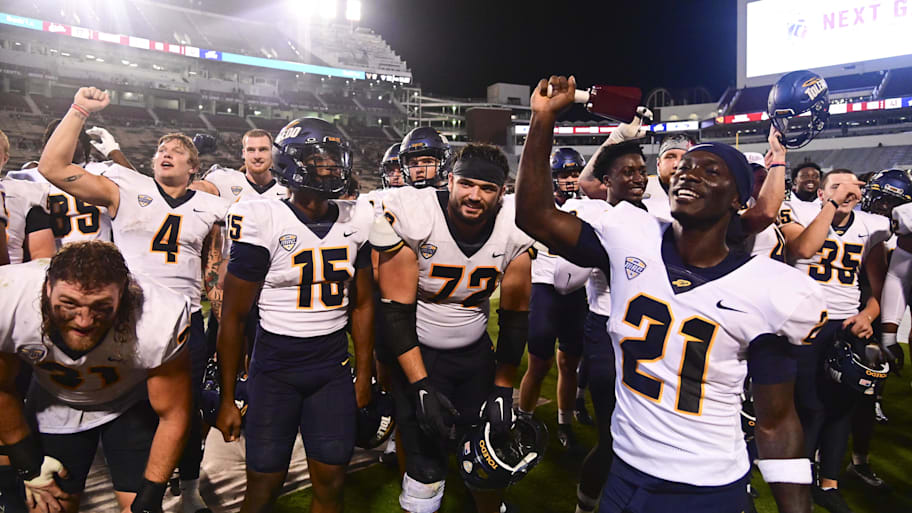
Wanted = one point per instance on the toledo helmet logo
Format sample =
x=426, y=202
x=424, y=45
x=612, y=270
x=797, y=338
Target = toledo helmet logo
x=32, y=352
x=813, y=87
x=144, y=200
x=633, y=266
x=236, y=189
x=427, y=250
x=288, y=241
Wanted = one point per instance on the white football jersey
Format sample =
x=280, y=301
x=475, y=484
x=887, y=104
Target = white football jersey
x=597, y=290
x=453, y=288
x=21, y=197
x=375, y=198
x=656, y=199
x=77, y=391
x=837, y=263
x=902, y=219
x=73, y=220
x=233, y=186
x=769, y=243
x=163, y=237
x=681, y=341
x=306, y=291
x=4, y=214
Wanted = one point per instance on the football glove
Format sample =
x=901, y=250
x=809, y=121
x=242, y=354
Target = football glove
x=633, y=130
x=436, y=414
x=106, y=143
x=498, y=409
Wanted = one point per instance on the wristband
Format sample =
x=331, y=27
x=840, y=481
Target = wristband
x=149, y=498
x=26, y=457
x=775, y=164
x=797, y=470
x=80, y=110
x=835, y=205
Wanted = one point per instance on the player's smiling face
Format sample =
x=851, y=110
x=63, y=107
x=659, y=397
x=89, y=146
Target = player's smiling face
x=81, y=316
x=171, y=163
x=702, y=188
x=807, y=180
x=257, y=154
x=626, y=178
x=473, y=201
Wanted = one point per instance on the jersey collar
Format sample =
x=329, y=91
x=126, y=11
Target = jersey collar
x=320, y=227
x=260, y=189
x=841, y=230
x=683, y=277
x=175, y=202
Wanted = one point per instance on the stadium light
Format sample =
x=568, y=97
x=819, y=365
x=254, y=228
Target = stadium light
x=328, y=9
x=353, y=10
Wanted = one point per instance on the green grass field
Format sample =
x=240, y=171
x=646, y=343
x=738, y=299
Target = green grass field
x=551, y=486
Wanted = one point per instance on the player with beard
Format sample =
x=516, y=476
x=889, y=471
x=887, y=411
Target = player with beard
x=806, y=181
x=309, y=260
x=688, y=317
x=556, y=313
x=834, y=244
x=443, y=253
x=107, y=349
x=163, y=228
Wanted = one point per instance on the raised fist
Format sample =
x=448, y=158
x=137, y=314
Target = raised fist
x=91, y=99
x=553, y=95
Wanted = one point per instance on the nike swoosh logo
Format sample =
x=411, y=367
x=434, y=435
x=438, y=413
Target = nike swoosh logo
x=723, y=307
x=497, y=255
x=199, y=211
x=862, y=235
x=421, y=394
x=114, y=359
x=499, y=402
x=348, y=234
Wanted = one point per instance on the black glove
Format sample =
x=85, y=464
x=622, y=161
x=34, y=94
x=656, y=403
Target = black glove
x=498, y=409
x=897, y=358
x=436, y=414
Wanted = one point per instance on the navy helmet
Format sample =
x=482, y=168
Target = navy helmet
x=305, y=139
x=205, y=143
x=426, y=141
x=887, y=189
x=846, y=364
x=375, y=421
x=210, y=395
x=488, y=461
x=794, y=94
x=566, y=160
x=390, y=165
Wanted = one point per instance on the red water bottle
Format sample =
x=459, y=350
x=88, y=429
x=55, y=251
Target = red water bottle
x=612, y=102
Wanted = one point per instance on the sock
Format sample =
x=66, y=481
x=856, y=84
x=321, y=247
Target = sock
x=564, y=416
x=580, y=393
x=827, y=488
x=859, y=460
x=390, y=445
x=191, y=501
x=523, y=413
x=584, y=503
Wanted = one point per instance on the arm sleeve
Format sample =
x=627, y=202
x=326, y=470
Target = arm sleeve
x=249, y=262
x=249, y=224
x=588, y=251
x=363, y=259
x=37, y=219
x=770, y=360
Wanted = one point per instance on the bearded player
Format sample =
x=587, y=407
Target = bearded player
x=688, y=317
x=443, y=253
x=107, y=349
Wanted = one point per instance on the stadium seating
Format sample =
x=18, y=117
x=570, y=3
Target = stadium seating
x=228, y=122
x=13, y=102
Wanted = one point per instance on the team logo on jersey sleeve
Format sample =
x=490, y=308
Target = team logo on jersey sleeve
x=427, y=250
x=32, y=352
x=633, y=266
x=236, y=189
x=288, y=241
x=144, y=200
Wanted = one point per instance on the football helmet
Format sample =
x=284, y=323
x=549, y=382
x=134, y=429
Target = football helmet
x=375, y=421
x=748, y=417
x=845, y=365
x=390, y=165
x=489, y=462
x=793, y=95
x=211, y=391
x=566, y=160
x=305, y=147
x=421, y=142
x=887, y=189
x=205, y=143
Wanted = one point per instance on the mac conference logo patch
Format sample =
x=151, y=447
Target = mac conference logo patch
x=32, y=352
x=236, y=189
x=144, y=200
x=288, y=241
x=427, y=250
x=633, y=266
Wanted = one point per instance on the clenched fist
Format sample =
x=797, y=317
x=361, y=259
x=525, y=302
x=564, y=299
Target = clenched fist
x=552, y=100
x=91, y=99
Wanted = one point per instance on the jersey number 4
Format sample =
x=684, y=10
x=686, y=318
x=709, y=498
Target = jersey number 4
x=165, y=240
x=698, y=334
x=332, y=290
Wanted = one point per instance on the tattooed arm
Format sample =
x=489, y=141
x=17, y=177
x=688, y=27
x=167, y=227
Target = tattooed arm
x=214, y=268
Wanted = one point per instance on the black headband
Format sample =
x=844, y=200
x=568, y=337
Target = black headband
x=479, y=169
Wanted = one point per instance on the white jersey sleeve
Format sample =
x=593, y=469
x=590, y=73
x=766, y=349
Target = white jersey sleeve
x=403, y=209
x=79, y=391
x=221, y=178
x=902, y=219
x=21, y=197
x=897, y=288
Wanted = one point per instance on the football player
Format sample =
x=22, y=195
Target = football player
x=834, y=244
x=671, y=150
x=391, y=177
x=688, y=316
x=805, y=181
x=107, y=349
x=443, y=253
x=4, y=219
x=163, y=229
x=425, y=157
x=556, y=315
x=255, y=182
x=71, y=219
x=309, y=259
x=768, y=184
x=29, y=225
